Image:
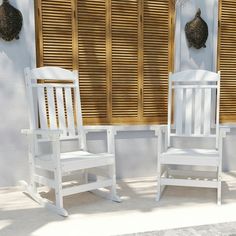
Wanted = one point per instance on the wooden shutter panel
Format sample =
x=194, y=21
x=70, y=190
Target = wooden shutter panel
x=55, y=33
x=120, y=48
x=124, y=23
x=227, y=61
x=156, y=60
x=92, y=59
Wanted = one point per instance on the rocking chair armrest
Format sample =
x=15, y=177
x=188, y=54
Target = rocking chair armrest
x=47, y=132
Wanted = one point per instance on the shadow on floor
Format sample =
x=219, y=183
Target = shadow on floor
x=138, y=195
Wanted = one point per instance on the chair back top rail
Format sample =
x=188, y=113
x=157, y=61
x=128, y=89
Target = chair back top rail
x=195, y=94
x=52, y=73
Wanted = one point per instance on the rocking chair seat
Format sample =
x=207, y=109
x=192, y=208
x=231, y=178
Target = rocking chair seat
x=81, y=159
x=200, y=157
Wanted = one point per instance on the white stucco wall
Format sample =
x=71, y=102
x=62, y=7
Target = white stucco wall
x=191, y=58
x=14, y=56
x=135, y=151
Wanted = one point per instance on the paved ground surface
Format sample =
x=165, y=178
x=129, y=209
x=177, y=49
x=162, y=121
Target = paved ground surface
x=223, y=229
x=92, y=215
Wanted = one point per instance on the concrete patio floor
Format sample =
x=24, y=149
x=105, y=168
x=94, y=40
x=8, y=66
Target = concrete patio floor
x=92, y=215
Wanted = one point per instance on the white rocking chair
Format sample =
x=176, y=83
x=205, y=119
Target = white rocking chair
x=195, y=93
x=54, y=106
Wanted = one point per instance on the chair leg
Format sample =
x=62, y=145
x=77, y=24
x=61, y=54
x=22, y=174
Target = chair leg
x=58, y=191
x=219, y=186
x=85, y=176
x=219, y=193
x=43, y=201
x=113, y=192
x=158, y=196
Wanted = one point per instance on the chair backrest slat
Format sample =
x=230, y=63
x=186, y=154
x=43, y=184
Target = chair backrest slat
x=69, y=111
x=207, y=112
x=42, y=108
x=61, y=110
x=198, y=111
x=51, y=108
x=194, y=93
x=179, y=98
x=188, y=110
x=58, y=102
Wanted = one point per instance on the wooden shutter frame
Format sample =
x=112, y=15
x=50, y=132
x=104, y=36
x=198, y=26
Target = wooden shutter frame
x=227, y=112
x=109, y=120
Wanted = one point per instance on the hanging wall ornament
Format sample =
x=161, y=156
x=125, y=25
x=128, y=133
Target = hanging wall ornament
x=197, y=31
x=10, y=21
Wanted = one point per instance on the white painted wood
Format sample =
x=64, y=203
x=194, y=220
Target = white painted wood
x=169, y=107
x=44, y=165
x=193, y=174
x=44, y=202
x=51, y=108
x=194, y=135
x=48, y=132
x=111, y=141
x=218, y=112
x=32, y=153
x=207, y=112
x=86, y=187
x=194, y=157
x=179, y=103
x=189, y=183
x=198, y=112
x=32, y=105
x=62, y=126
x=83, y=160
x=192, y=119
x=61, y=110
x=57, y=171
x=53, y=85
x=78, y=109
x=44, y=181
x=159, y=149
x=113, y=192
x=42, y=108
x=52, y=73
x=193, y=102
x=188, y=111
x=195, y=76
x=195, y=86
x=69, y=111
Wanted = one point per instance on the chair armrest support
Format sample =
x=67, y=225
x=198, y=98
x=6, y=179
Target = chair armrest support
x=222, y=134
x=111, y=140
x=51, y=135
x=224, y=131
x=162, y=133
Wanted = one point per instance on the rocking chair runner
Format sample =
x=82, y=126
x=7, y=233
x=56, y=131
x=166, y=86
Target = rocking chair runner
x=195, y=91
x=55, y=107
